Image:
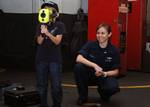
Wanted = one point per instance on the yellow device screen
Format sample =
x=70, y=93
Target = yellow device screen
x=44, y=15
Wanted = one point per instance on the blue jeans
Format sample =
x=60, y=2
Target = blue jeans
x=85, y=75
x=43, y=70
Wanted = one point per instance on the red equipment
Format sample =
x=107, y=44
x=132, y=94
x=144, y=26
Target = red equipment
x=108, y=11
x=128, y=27
x=136, y=33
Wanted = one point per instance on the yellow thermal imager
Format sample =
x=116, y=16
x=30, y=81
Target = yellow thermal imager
x=45, y=15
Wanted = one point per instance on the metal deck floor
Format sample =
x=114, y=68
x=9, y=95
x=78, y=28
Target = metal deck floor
x=135, y=88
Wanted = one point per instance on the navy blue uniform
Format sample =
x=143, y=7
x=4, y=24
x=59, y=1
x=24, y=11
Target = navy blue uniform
x=108, y=59
x=48, y=61
x=48, y=51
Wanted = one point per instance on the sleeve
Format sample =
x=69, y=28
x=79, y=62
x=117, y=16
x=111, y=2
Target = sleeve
x=61, y=29
x=116, y=60
x=84, y=51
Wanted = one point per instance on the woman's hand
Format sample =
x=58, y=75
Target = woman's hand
x=98, y=70
x=44, y=29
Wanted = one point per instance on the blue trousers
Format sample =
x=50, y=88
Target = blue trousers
x=107, y=86
x=52, y=70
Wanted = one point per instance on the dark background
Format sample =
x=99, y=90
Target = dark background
x=17, y=45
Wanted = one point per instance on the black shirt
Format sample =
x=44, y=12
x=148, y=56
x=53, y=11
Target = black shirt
x=48, y=51
x=108, y=58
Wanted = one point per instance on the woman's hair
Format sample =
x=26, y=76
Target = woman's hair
x=106, y=26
